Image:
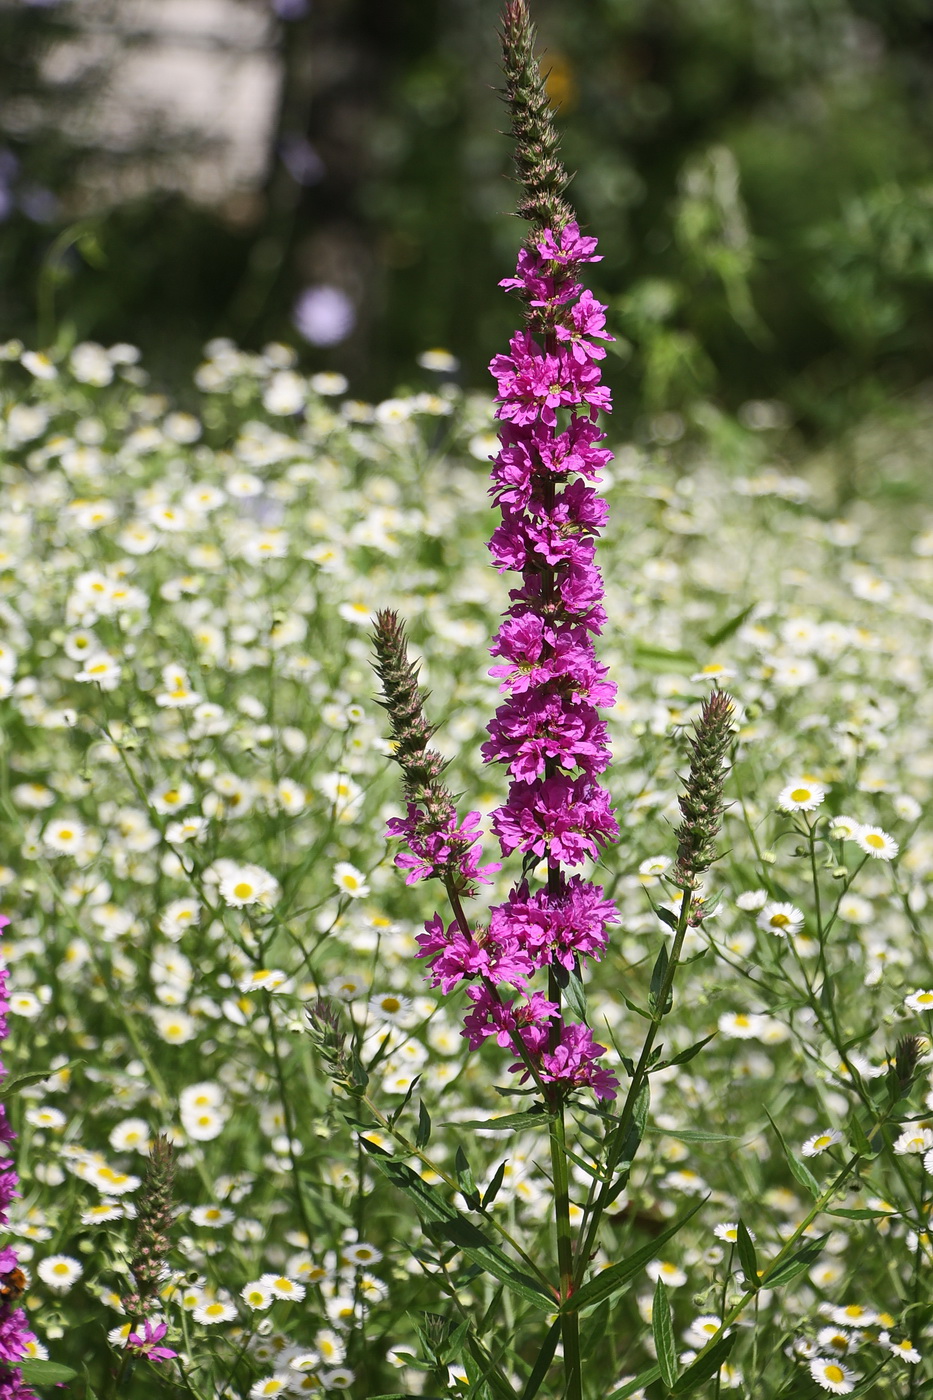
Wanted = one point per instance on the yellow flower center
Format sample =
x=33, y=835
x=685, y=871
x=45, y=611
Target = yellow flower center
x=801, y=795
x=242, y=890
x=835, y=1373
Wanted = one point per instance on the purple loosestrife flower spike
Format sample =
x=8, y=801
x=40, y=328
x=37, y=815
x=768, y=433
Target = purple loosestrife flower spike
x=701, y=801
x=547, y=732
x=15, y=1335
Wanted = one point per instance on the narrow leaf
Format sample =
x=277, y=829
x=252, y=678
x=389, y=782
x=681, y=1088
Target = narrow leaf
x=799, y=1170
x=543, y=1363
x=747, y=1256
x=22, y=1081
x=686, y=1055
x=636, y=1383
x=805, y=1257
x=534, y=1116
x=667, y=916
x=574, y=993
x=423, y=1135
x=495, y=1186
x=728, y=629
x=45, y=1372
x=657, y=981
x=611, y=1281
x=706, y=1365
x=662, y=1325
x=693, y=1134
x=465, y=1179
x=451, y=1225
x=653, y=658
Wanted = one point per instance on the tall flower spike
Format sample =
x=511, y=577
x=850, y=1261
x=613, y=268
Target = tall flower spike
x=547, y=731
x=540, y=170
x=701, y=801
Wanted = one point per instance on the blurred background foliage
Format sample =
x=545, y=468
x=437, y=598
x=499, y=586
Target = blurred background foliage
x=759, y=172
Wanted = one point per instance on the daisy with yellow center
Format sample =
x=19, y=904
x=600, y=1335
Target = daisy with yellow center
x=802, y=796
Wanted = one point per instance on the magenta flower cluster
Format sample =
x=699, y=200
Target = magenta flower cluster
x=15, y=1335
x=547, y=732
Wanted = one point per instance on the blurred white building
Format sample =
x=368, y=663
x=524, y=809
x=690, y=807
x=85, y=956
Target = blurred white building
x=171, y=94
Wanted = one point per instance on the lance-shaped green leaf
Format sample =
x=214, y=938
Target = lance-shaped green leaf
x=662, y=1326
x=796, y=1264
x=706, y=1365
x=747, y=1256
x=571, y=985
x=23, y=1081
x=465, y=1180
x=799, y=1170
x=452, y=1226
x=684, y=1056
x=657, y=982
x=45, y=1372
x=636, y=1383
x=543, y=1363
x=423, y=1134
x=611, y=1281
x=532, y=1118
x=495, y=1186
x=728, y=629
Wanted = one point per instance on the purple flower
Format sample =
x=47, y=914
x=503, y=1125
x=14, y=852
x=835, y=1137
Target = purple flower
x=146, y=1344
x=324, y=315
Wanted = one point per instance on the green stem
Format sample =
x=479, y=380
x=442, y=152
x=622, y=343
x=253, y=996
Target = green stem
x=621, y=1128
x=570, y=1322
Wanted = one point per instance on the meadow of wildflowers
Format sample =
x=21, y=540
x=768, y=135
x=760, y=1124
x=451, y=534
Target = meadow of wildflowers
x=685, y=1145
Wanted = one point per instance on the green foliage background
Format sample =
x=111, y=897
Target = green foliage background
x=758, y=172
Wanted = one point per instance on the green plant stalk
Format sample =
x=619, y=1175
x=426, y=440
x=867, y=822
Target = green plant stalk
x=406, y=1142
x=819, y=1205
x=638, y=1080
x=570, y=1321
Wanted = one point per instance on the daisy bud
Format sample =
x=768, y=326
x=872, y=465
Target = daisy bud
x=701, y=801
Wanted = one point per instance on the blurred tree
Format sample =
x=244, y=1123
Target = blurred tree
x=759, y=173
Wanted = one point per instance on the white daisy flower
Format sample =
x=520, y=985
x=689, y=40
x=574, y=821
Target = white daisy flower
x=669, y=1274
x=349, y=880
x=877, y=843
x=247, y=884
x=780, y=918
x=820, y=1141
x=340, y=1378
x=270, y=1385
x=256, y=1295
x=60, y=1272
x=905, y=1349
x=844, y=828
x=216, y=1311
x=914, y=1141
x=920, y=1001
x=213, y=1217
x=65, y=836
x=802, y=796
x=832, y=1376
x=280, y=1286
x=361, y=1254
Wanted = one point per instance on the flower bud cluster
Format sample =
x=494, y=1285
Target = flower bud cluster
x=438, y=847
